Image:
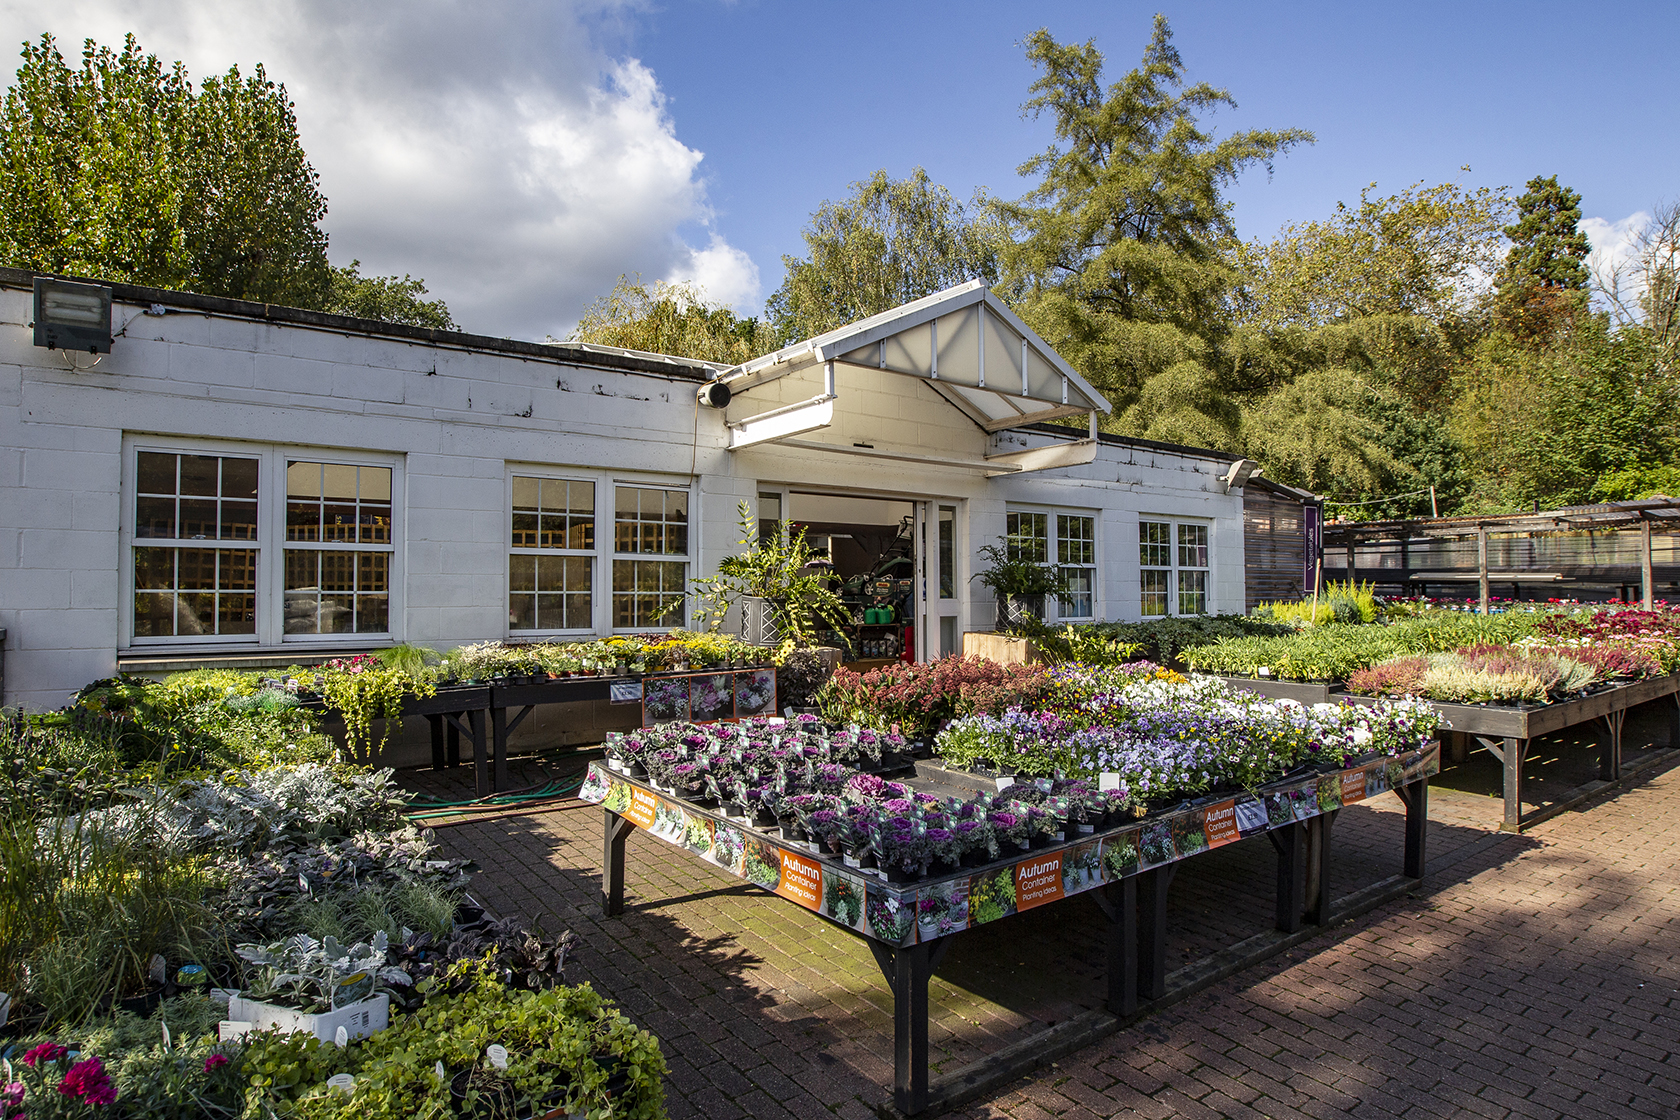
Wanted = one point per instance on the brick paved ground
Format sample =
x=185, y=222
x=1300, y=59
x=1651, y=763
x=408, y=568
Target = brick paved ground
x=1533, y=976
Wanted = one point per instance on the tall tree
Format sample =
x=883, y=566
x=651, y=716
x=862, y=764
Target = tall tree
x=673, y=319
x=891, y=241
x=1543, y=285
x=1121, y=258
x=122, y=171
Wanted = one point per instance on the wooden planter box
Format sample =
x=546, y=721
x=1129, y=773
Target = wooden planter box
x=999, y=647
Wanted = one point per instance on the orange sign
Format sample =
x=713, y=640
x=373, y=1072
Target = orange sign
x=1353, y=786
x=1219, y=824
x=801, y=880
x=640, y=811
x=1038, y=881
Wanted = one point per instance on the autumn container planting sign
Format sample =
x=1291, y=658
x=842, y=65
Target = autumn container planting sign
x=1038, y=881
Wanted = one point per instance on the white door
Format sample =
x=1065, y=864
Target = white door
x=938, y=595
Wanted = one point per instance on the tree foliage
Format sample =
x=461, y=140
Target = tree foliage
x=889, y=242
x=385, y=298
x=122, y=171
x=675, y=319
x=1120, y=257
x=1548, y=248
x=1425, y=252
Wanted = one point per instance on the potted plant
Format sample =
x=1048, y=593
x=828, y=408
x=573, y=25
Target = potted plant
x=318, y=987
x=1018, y=584
x=780, y=600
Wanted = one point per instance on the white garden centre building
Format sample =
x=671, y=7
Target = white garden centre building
x=229, y=482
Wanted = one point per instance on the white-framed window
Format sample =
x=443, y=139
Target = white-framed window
x=1173, y=567
x=1066, y=539
x=552, y=554
x=258, y=544
x=589, y=552
x=650, y=556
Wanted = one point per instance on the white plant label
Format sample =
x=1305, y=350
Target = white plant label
x=1004, y=783
x=1108, y=781
x=441, y=1076
x=166, y=1042
x=341, y=1038
x=497, y=1055
x=343, y=1082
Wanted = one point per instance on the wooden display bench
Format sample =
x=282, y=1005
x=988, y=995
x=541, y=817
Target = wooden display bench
x=1127, y=869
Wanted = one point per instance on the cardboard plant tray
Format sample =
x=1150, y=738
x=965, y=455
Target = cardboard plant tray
x=863, y=900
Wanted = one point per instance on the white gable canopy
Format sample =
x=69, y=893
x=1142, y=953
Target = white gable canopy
x=963, y=343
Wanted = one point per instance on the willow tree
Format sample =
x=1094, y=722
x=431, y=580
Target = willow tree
x=1121, y=258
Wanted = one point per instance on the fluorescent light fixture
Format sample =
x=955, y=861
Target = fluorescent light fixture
x=71, y=316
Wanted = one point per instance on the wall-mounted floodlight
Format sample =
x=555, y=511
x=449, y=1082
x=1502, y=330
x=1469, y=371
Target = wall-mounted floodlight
x=72, y=316
x=1241, y=471
x=714, y=394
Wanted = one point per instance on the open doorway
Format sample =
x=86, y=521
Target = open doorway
x=870, y=545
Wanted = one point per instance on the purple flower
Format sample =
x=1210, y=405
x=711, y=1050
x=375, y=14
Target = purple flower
x=215, y=1062
x=898, y=806
x=46, y=1052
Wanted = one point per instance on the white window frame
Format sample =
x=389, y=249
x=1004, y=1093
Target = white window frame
x=1174, y=568
x=605, y=550
x=270, y=544
x=1053, y=608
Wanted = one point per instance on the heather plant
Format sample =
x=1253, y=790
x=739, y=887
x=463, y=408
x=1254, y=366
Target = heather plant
x=919, y=698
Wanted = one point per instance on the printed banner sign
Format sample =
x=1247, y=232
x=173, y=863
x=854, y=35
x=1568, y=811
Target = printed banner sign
x=1353, y=786
x=640, y=810
x=1038, y=880
x=802, y=880
x=1219, y=824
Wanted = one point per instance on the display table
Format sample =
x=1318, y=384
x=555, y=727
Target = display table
x=1506, y=730
x=1127, y=869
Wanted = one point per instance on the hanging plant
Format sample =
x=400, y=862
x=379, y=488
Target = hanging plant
x=361, y=689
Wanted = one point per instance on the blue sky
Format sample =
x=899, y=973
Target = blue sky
x=792, y=101
x=521, y=154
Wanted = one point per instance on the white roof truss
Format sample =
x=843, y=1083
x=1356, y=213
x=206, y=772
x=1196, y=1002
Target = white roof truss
x=963, y=343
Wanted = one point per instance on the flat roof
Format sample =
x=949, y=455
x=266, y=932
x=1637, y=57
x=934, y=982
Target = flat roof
x=571, y=353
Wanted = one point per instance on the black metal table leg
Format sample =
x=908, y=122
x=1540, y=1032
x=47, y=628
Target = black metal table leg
x=452, y=741
x=1318, y=909
x=1152, y=931
x=616, y=830
x=1290, y=843
x=481, y=761
x=1118, y=902
x=1416, y=799
x=1610, y=746
x=907, y=971
x=437, y=740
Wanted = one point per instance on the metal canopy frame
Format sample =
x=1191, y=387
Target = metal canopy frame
x=965, y=345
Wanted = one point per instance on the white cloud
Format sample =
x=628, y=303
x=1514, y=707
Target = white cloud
x=493, y=149
x=1612, y=246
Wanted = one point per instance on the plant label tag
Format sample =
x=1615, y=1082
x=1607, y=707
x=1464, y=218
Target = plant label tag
x=441, y=1075
x=497, y=1054
x=1045, y=785
x=343, y=1082
x=229, y=1030
x=341, y=1038
x=1004, y=783
x=166, y=1040
x=1108, y=781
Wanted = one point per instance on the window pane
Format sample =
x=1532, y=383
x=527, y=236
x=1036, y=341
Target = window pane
x=525, y=492
x=236, y=614
x=200, y=474
x=154, y=614
x=1081, y=596
x=194, y=592
x=236, y=569
x=198, y=519
x=1155, y=585
x=376, y=522
x=195, y=613
x=373, y=614
x=338, y=523
x=1076, y=539
x=522, y=573
x=375, y=484
x=154, y=517
x=154, y=569
x=524, y=530
x=303, y=570
x=947, y=552
x=338, y=482
x=196, y=568
x=373, y=571
x=1192, y=592
x=1192, y=546
x=1155, y=545
x=239, y=521
x=156, y=474
x=522, y=612
x=1027, y=536
x=303, y=521
x=239, y=478
x=338, y=571
x=303, y=480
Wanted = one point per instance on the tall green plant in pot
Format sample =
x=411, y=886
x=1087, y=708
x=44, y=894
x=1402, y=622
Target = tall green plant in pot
x=1019, y=585
x=780, y=599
